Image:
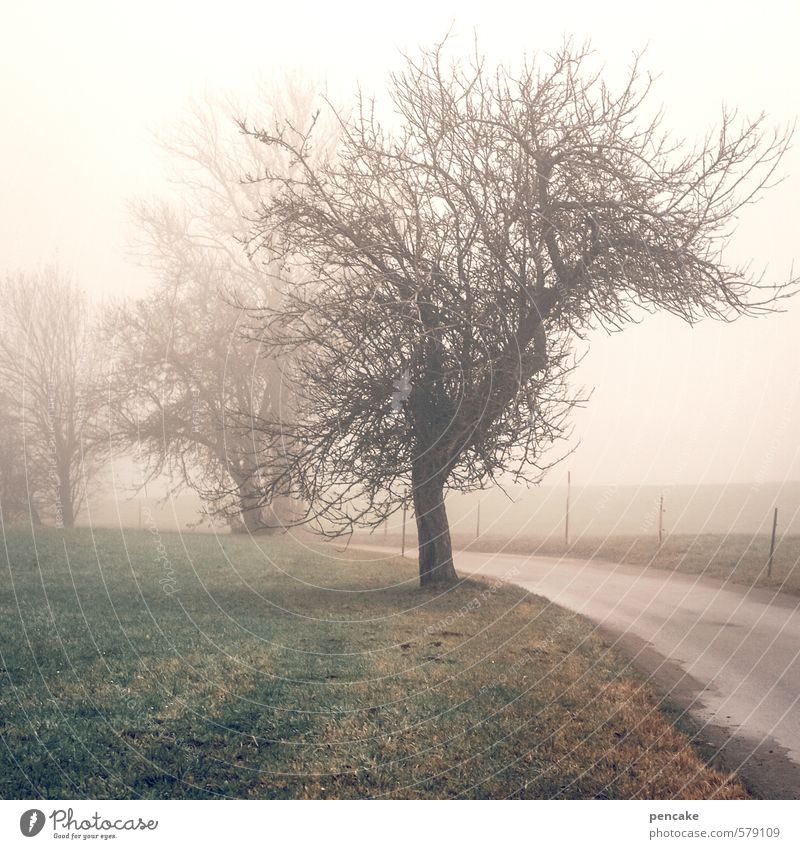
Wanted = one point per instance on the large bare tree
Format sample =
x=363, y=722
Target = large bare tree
x=181, y=360
x=452, y=261
x=51, y=385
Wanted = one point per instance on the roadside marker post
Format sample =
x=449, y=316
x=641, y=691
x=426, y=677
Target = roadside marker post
x=772, y=542
x=566, y=517
x=403, y=544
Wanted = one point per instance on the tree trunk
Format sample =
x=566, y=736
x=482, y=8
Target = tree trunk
x=280, y=514
x=254, y=518
x=249, y=515
x=65, y=505
x=433, y=531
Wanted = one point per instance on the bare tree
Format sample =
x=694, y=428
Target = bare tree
x=451, y=264
x=181, y=361
x=178, y=365
x=49, y=374
x=19, y=487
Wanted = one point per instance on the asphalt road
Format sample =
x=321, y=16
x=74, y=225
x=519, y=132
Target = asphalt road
x=727, y=653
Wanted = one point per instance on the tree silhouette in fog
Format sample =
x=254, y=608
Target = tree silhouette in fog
x=504, y=214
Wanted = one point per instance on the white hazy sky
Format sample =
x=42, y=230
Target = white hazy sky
x=85, y=85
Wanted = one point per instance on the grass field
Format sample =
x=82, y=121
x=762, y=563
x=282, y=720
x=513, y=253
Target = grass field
x=155, y=665
x=740, y=558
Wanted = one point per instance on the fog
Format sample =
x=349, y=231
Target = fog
x=87, y=86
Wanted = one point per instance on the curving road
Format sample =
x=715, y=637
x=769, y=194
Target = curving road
x=728, y=653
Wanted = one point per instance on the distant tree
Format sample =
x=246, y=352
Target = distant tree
x=19, y=488
x=50, y=382
x=451, y=262
x=181, y=360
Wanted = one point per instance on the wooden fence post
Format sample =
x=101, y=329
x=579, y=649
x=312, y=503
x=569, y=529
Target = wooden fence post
x=772, y=542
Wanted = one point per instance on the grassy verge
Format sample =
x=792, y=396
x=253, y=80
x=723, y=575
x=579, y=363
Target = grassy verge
x=739, y=558
x=194, y=667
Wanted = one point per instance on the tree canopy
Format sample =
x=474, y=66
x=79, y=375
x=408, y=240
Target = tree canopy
x=460, y=254
x=181, y=362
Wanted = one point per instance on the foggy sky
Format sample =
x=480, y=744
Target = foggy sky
x=85, y=86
